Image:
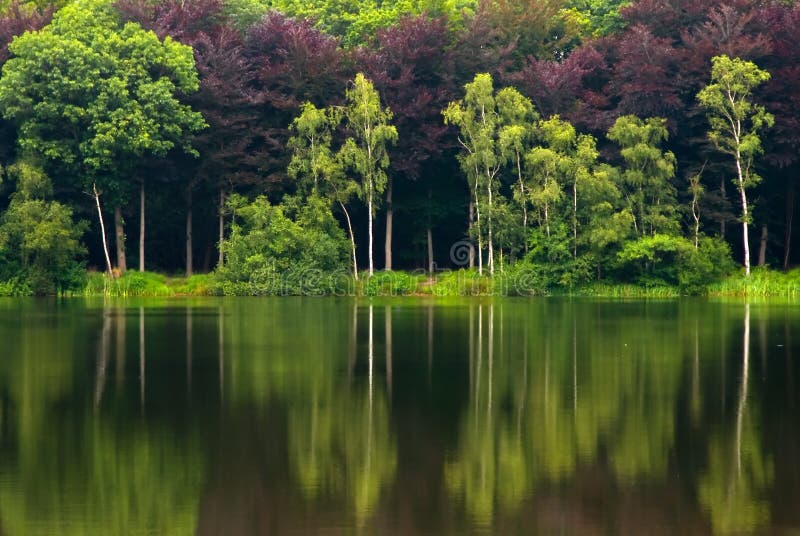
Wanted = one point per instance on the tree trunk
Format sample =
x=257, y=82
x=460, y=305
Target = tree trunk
x=478, y=223
x=141, y=226
x=762, y=250
x=787, y=246
x=221, y=216
x=745, y=216
x=575, y=219
x=387, y=248
x=724, y=195
x=369, y=229
x=523, y=202
x=352, y=239
x=189, y=241
x=430, y=250
x=102, y=230
x=490, y=239
x=471, y=223
x=119, y=228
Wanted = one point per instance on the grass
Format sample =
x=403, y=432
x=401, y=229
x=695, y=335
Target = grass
x=762, y=283
x=134, y=284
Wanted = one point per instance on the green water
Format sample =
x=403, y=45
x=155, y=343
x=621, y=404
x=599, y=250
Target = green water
x=336, y=416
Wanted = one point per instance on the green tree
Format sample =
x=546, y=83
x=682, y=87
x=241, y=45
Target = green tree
x=481, y=160
x=365, y=151
x=518, y=115
x=315, y=166
x=647, y=174
x=561, y=163
x=39, y=239
x=92, y=97
x=280, y=249
x=735, y=124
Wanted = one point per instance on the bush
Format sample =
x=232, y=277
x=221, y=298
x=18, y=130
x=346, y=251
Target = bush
x=666, y=260
x=390, y=284
x=39, y=241
x=709, y=263
x=295, y=248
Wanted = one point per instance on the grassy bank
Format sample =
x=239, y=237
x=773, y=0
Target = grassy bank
x=761, y=284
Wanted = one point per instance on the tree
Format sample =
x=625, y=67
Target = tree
x=316, y=167
x=518, y=114
x=568, y=192
x=92, y=97
x=647, y=174
x=735, y=124
x=38, y=236
x=410, y=65
x=478, y=123
x=366, y=150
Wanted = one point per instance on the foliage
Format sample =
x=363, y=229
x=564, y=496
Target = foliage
x=390, y=283
x=735, y=120
x=109, y=95
x=664, y=260
x=283, y=249
x=647, y=175
x=39, y=240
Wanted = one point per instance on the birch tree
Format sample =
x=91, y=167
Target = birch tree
x=735, y=124
x=477, y=120
x=316, y=167
x=365, y=150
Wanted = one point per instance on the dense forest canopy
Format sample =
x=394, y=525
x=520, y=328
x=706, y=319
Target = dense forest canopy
x=587, y=139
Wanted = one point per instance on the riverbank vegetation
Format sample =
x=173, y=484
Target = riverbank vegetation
x=490, y=147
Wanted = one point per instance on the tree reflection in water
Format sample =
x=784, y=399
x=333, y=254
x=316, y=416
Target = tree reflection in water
x=272, y=416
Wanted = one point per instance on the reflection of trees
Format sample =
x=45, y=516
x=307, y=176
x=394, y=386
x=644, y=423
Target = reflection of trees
x=339, y=439
x=341, y=447
x=74, y=468
x=577, y=390
x=490, y=463
x=102, y=480
x=309, y=360
x=735, y=485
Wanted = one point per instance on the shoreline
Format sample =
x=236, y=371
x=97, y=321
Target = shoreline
x=447, y=284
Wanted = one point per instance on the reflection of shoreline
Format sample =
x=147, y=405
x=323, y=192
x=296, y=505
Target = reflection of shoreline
x=304, y=388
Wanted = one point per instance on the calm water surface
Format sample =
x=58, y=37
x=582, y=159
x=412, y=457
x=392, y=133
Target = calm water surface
x=336, y=416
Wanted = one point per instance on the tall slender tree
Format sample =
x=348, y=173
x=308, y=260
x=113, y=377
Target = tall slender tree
x=315, y=166
x=365, y=151
x=735, y=124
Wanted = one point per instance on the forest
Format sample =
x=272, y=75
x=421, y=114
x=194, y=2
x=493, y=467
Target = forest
x=280, y=146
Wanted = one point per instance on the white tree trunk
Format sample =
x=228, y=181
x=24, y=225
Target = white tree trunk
x=490, y=238
x=221, y=259
x=141, y=226
x=387, y=247
x=369, y=225
x=745, y=215
x=102, y=230
x=352, y=239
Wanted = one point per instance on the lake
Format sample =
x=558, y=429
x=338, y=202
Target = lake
x=404, y=416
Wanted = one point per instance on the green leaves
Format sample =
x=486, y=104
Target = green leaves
x=93, y=96
x=366, y=151
x=648, y=173
x=38, y=235
x=734, y=118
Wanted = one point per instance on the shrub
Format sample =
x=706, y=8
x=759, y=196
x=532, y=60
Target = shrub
x=39, y=241
x=295, y=248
